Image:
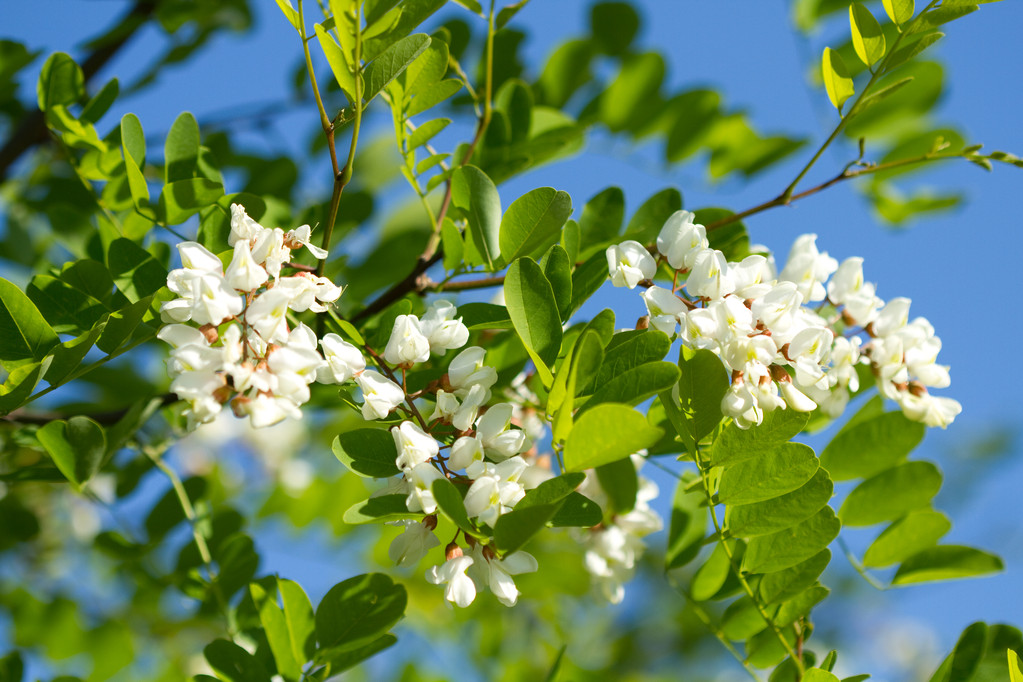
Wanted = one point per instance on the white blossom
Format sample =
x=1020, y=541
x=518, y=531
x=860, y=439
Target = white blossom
x=460, y=589
x=380, y=394
x=441, y=328
x=629, y=263
x=343, y=360
x=414, y=446
x=680, y=240
x=407, y=345
x=409, y=548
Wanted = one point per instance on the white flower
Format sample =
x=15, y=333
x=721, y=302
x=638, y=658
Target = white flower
x=753, y=276
x=441, y=328
x=796, y=399
x=499, y=440
x=244, y=274
x=709, y=277
x=665, y=308
x=465, y=452
x=267, y=314
x=497, y=573
x=893, y=317
x=411, y=546
x=496, y=489
x=264, y=410
x=929, y=409
x=243, y=228
x=302, y=236
x=195, y=256
x=407, y=344
x=420, y=495
x=467, y=370
x=808, y=268
x=269, y=249
x=414, y=446
x=381, y=395
x=777, y=309
x=460, y=590
x=629, y=263
x=343, y=360
x=680, y=240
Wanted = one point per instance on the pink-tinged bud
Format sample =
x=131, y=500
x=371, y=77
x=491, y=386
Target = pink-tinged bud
x=452, y=551
x=239, y=406
x=210, y=332
x=643, y=322
x=430, y=522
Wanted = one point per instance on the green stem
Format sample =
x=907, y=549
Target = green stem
x=761, y=609
x=859, y=568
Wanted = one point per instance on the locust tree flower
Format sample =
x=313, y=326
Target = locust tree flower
x=808, y=268
x=409, y=548
x=497, y=573
x=414, y=446
x=460, y=590
x=302, y=236
x=629, y=263
x=467, y=370
x=665, y=308
x=709, y=277
x=420, y=491
x=243, y=228
x=441, y=328
x=343, y=360
x=500, y=441
x=244, y=274
x=680, y=240
x=380, y=394
x=407, y=344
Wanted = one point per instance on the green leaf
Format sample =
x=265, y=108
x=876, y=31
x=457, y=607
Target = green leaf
x=182, y=199
x=836, y=78
x=882, y=94
x=77, y=447
x=427, y=70
x=436, y=94
x=903, y=55
x=646, y=223
x=634, y=88
x=357, y=611
x=771, y=516
x=534, y=313
x=275, y=627
x=588, y=278
x=451, y=502
x=341, y=661
x=134, y=270
x=69, y=355
x=515, y=528
x=741, y=620
x=688, y=524
x=783, y=585
x=451, y=241
x=577, y=511
x=474, y=193
x=551, y=491
x=946, y=562
x=19, y=385
x=587, y=354
x=635, y=384
x=65, y=307
x=899, y=11
x=370, y=453
x=620, y=482
x=233, y=663
x=867, y=36
x=133, y=146
x=391, y=62
x=778, y=551
x=25, y=337
x=890, y=494
x=290, y=14
x=101, y=102
x=601, y=220
x=298, y=613
x=630, y=349
x=941, y=15
x=181, y=149
x=506, y=13
x=818, y=675
x=605, y=434
x=771, y=474
x=1015, y=667
x=800, y=606
x=533, y=222
x=125, y=324
x=701, y=386
x=614, y=25
x=912, y=533
x=61, y=82
x=338, y=64
x=426, y=132
x=557, y=268
x=735, y=444
x=380, y=509
x=710, y=577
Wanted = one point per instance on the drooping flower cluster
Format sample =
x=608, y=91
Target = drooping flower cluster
x=242, y=350
x=614, y=548
x=781, y=352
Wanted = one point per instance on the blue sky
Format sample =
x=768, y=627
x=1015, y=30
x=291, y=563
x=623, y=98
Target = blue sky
x=960, y=268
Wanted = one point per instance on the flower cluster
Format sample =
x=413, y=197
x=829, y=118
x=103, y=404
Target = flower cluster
x=614, y=548
x=241, y=349
x=781, y=352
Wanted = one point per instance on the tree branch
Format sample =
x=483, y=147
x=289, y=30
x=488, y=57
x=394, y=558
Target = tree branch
x=103, y=418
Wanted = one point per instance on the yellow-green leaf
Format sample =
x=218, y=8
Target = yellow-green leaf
x=867, y=37
x=899, y=11
x=836, y=78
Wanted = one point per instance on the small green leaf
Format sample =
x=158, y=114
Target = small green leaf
x=61, y=82
x=395, y=59
x=355, y=612
x=946, y=562
x=635, y=384
x=620, y=482
x=912, y=533
x=101, y=102
x=275, y=627
x=701, y=387
x=450, y=501
x=783, y=585
x=1015, y=667
x=601, y=220
x=233, y=663
x=551, y=491
x=517, y=527
x=836, y=78
x=771, y=474
x=181, y=149
x=182, y=199
x=771, y=516
x=343, y=73
x=605, y=434
x=735, y=444
x=646, y=223
x=557, y=268
x=506, y=13
x=298, y=613
x=899, y=11
x=800, y=605
x=533, y=222
x=434, y=95
x=76, y=446
x=380, y=509
x=904, y=54
x=890, y=494
x=25, y=337
x=133, y=145
x=778, y=551
x=534, y=313
x=711, y=576
x=818, y=675
x=867, y=36
x=688, y=524
x=370, y=453
x=474, y=193
x=426, y=132
x=134, y=270
x=290, y=14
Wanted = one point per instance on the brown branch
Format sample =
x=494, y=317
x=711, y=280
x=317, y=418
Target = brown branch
x=102, y=418
x=31, y=131
x=481, y=283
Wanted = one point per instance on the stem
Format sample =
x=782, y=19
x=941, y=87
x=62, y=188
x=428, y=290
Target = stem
x=855, y=563
x=738, y=573
x=482, y=283
x=103, y=418
x=200, y=541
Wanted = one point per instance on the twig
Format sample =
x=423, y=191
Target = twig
x=103, y=418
